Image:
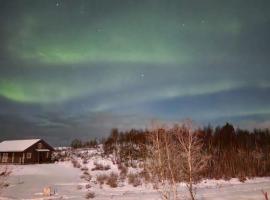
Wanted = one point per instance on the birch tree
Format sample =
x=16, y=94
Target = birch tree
x=193, y=159
x=162, y=162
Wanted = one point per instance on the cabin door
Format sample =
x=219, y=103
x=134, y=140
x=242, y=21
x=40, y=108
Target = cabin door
x=42, y=157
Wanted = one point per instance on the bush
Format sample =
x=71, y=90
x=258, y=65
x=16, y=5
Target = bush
x=76, y=164
x=86, y=173
x=82, y=176
x=123, y=171
x=90, y=195
x=102, y=178
x=134, y=179
x=99, y=166
x=133, y=164
x=76, y=143
x=84, y=169
x=86, y=177
x=145, y=175
x=242, y=179
x=4, y=174
x=5, y=185
x=112, y=180
x=79, y=187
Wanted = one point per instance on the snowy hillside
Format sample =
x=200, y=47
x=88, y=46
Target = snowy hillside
x=87, y=173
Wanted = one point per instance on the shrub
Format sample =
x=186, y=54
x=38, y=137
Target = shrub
x=134, y=180
x=82, y=176
x=86, y=177
x=242, y=179
x=112, y=180
x=84, y=169
x=99, y=166
x=87, y=186
x=76, y=164
x=102, y=178
x=76, y=143
x=79, y=187
x=90, y=195
x=145, y=175
x=123, y=171
x=4, y=173
x=265, y=194
x=5, y=184
x=133, y=164
x=86, y=173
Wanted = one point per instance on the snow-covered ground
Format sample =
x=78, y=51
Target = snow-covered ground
x=28, y=181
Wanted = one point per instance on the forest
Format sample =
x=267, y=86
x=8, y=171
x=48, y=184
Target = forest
x=230, y=152
x=169, y=155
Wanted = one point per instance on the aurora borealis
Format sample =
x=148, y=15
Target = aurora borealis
x=77, y=68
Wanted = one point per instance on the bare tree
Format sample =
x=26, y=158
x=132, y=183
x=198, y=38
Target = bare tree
x=194, y=161
x=176, y=155
x=156, y=164
x=162, y=162
x=170, y=156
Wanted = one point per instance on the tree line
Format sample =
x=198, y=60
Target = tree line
x=170, y=155
x=234, y=152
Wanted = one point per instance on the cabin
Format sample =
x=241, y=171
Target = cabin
x=32, y=151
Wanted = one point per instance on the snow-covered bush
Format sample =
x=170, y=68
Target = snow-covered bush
x=90, y=195
x=4, y=173
x=134, y=179
x=112, y=180
x=101, y=178
x=101, y=167
x=123, y=171
x=76, y=163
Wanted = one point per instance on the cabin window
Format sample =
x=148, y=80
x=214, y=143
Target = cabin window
x=47, y=155
x=5, y=157
x=40, y=145
x=29, y=155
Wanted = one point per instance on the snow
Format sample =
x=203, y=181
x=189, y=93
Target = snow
x=28, y=181
x=16, y=145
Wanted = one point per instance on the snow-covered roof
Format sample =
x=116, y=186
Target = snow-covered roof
x=16, y=145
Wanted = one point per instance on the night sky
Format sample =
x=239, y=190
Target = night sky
x=77, y=68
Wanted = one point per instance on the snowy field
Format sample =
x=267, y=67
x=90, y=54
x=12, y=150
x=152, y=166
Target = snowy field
x=27, y=182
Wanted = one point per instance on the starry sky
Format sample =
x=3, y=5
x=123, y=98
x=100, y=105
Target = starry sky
x=77, y=68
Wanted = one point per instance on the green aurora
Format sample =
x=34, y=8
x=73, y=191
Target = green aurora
x=76, y=65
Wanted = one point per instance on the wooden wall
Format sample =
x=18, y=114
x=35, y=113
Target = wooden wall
x=36, y=156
